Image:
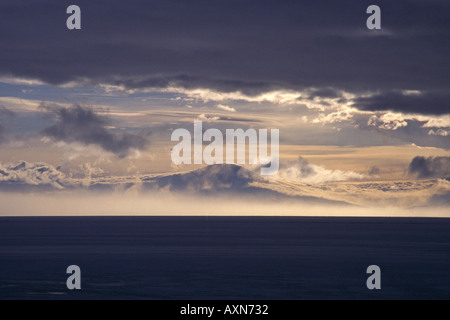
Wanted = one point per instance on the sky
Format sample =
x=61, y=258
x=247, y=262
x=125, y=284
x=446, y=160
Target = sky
x=86, y=116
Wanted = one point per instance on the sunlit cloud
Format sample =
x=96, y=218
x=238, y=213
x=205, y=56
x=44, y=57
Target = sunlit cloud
x=303, y=171
x=226, y=108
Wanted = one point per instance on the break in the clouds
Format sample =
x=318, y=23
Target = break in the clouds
x=431, y=167
x=236, y=46
x=82, y=124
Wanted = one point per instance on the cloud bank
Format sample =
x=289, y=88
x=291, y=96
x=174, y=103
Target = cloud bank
x=229, y=184
x=31, y=176
x=433, y=103
x=234, y=46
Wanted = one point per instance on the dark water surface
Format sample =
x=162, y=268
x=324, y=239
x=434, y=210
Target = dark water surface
x=224, y=257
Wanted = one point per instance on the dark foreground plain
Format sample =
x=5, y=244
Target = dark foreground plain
x=224, y=257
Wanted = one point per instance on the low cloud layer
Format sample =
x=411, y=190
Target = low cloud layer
x=25, y=176
x=431, y=167
x=303, y=171
x=210, y=178
x=80, y=124
x=230, y=183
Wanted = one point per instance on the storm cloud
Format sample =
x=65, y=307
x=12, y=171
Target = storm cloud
x=231, y=45
x=81, y=124
x=431, y=167
x=435, y=103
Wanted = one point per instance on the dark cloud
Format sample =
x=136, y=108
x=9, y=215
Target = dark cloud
x=431, y=167
x=80, y=124
x=229, y=45
x=250, y=88
x=210, y=178
x=436, y=103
